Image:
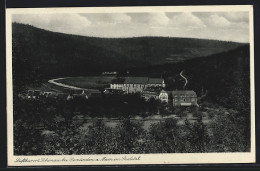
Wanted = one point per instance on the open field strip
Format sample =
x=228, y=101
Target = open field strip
x=53, y=81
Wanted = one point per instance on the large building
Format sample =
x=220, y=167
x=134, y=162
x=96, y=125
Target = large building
x=136, y=84
x=153, y=88
x=117, y=83
x=155, y=82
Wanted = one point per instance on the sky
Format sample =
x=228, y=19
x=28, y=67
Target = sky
x=228, y=26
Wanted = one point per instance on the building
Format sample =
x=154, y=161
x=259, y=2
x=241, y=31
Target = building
x=85, y=93
x=135, y=84
x=155, y=82
x=93, y=93
x=117, y=83
x=163, y=96
x=147, y=95
x=108, y=91
x=184, y=98
x=33, y=94
x=109, y=73
x=160, y=95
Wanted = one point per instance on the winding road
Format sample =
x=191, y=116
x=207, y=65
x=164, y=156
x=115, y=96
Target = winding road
x=186, y=81
x=53, y=81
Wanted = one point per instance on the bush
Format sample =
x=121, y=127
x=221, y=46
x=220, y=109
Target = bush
x=197, y=114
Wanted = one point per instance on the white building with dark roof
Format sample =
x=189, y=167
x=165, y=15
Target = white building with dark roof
x=184, y=98
x=117, y=83
x=155, y=82
x=135, y=84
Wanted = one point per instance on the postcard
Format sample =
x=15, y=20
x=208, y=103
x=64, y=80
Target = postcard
x=130, y=85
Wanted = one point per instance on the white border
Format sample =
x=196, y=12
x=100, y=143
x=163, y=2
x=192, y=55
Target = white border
x=180, y=158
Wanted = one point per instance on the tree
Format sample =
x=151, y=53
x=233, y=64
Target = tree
x=197, y=136
x=229, y=134
x=165, y=137
x=25, y=73
x=128, y=135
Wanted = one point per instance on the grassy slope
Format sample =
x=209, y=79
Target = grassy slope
x=69, y=55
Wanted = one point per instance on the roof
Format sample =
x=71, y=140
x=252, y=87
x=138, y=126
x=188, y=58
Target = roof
x=136, y=80
x=150, y=93
x=157, y=92
x=163, y=91
x=184, y=92
x=118, y=81
x=155, y=81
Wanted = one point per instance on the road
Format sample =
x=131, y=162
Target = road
x=53, y=81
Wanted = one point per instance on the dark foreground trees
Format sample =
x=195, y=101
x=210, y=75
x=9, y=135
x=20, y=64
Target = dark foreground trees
x=54, y=127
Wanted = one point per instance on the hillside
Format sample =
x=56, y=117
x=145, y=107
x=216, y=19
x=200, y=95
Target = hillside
x=57, y=54
x=225, y=76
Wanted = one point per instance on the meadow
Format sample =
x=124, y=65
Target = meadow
x=96, y=82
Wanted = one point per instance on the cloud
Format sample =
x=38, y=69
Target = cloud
x=65, y=23
x=218, y=21
x=237, y=16
x=186, y=20
x=109, y=18
x=207, y=25
x=150, y=19
x=224, y=19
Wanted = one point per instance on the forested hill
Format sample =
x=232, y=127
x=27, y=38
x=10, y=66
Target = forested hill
x=58, y=54
x=225, y=76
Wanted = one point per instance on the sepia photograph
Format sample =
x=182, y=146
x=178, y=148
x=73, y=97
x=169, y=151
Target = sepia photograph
x=130, y=85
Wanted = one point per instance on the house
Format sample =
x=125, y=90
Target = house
x=184, y=98
x=33, y=94
x=85, y=93
x=148, y=94
x=155, y=82
x=117, y=83
x=160, y=95
x=93, y=93
x=109, y=73
x=163, y=96
x=135, y=84
x=113, y=91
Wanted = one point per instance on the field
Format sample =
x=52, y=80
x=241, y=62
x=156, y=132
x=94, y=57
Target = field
x=87, y=82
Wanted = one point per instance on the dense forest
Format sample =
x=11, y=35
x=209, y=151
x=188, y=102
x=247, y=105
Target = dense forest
x=53, y=52
x=53, y=127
